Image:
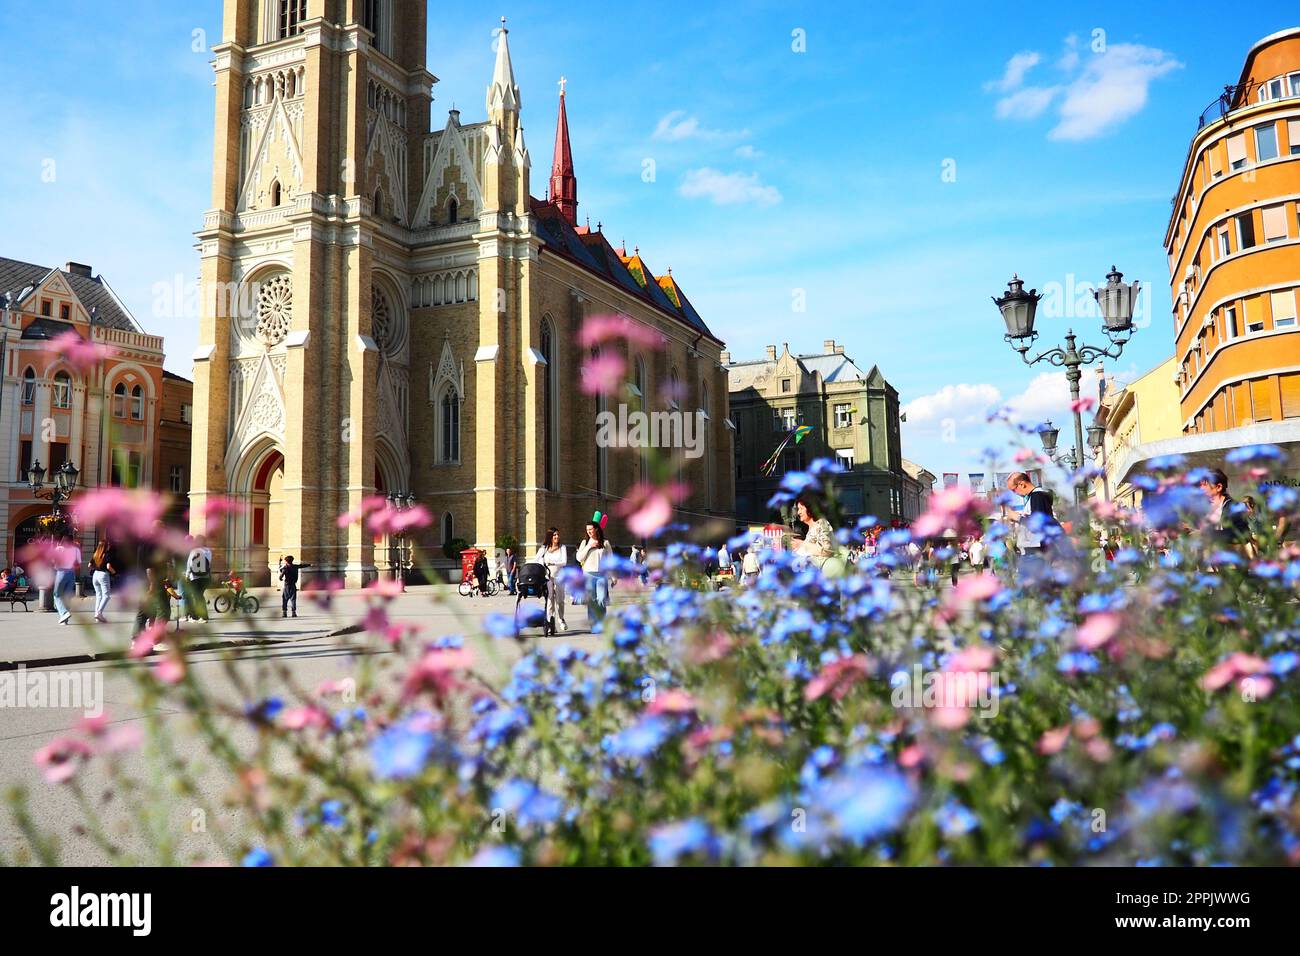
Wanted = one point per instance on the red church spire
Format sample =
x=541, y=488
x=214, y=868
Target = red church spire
x=564, y=185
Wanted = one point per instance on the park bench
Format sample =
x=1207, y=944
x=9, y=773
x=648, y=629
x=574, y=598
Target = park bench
x=19, y=595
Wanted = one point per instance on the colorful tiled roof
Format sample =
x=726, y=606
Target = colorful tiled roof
x=592, y=250
x=94, y=293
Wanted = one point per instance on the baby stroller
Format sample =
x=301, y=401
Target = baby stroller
x=534, y=582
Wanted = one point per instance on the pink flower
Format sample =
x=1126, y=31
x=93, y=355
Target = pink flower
x=953, y=508
x=973, y=658
x=603, y=328
x=213, y=511
x=171, y=669
x=1053, y=740
x=121, y=513
x=77, y=352
x=1098, y=630
x=368, y=504
x=61, y=758
x=122, y=738
x=1233, y=666
x=142, y=644
x=300, y=718
x=648, y=507
x=385, y=587
x=838, y=677
x=911, y=756
x=1024, y=455
x=390, y=520
x=976, y=587
x=1085, y=404
x=675, y=701
x=376, y=620
x=434, y=671
x=602, y=374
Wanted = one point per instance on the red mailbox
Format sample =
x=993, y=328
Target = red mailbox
x=467, y=559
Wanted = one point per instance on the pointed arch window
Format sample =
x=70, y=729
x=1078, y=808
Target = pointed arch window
x=29, y=386
x=448, y=528
x=119, y=401
x=550, y=407
x=137, y=403
x=448, y=450
x=379, y=203
x=275, y=193
x=62, y=390
x=372, y=19
x=452, y=211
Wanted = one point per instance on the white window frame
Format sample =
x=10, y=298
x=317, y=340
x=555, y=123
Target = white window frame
x=1259, y=152
x=176, y=478
x=844, y=457
x=1286, y=321
x=844, y=420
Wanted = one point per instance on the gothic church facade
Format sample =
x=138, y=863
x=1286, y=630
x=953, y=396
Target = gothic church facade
x=388, y=310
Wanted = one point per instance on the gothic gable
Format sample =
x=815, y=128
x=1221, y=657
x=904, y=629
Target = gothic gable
x=277, y=156
x=451, y=172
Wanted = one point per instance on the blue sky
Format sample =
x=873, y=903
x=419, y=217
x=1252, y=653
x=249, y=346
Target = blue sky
x=779, y=174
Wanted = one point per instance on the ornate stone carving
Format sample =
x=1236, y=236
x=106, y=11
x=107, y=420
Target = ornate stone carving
x=275, y=309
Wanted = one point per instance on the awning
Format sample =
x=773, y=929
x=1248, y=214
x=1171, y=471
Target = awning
x=1209, y=449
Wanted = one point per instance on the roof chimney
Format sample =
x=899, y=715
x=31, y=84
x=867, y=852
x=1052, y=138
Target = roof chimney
x=828, y=346
x=839, y=350
x=725, y=358
x=771, y=353
x=77, y=269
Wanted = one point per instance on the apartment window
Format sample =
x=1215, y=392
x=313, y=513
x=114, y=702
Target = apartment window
x=1216, y=163
x=1225, y=247
x=137, y=403
x=1283, y=309
x=176, y=479
x=29, y=386
x=1245, y=231
x=24, y=460
x=1256, y=325
x=1230, y=322
x=1293, y=134
x=843, y=416
x=1290, y=386
x=1274, y=221
x=187, y=414
x=844, y=458
x=62, y=391
x=1237, y=151
x=47, y=307
x=65, y=312
x=1261, y=394
x=58, y=458
x=126, y=469
x=792, y=460
x=292, y=13
x=1265, y=142
x=785, y=385
x=1295, y=84
x=788, y=419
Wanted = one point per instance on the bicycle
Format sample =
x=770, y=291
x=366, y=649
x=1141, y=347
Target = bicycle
x=236, y=597
x=470, y=588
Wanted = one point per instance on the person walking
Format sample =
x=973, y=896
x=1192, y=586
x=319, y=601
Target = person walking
x=67, y=561
x=1227, y=523
x=553, y=556
x=198, y=576
x=103, y=567
x=591, y=555
x=511, y=569
x=978, y=555
x=818, y=543
x=289, y=594
x=749, y=566
x=1035, y=522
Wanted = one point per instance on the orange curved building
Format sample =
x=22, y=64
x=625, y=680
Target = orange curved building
x=1234, y=250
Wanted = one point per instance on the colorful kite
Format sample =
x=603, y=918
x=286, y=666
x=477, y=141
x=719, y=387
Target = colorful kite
x=796, y=434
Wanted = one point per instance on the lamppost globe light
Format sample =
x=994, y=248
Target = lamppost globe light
x=36, y=476
x=1048, y=435
x=1116, y=300
x=1096, y=436
x=1018, y=309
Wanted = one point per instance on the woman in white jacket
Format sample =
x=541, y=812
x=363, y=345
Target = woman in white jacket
x=554, y=556
x=591, y=555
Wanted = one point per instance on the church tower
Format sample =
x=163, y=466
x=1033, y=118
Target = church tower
x=322, y=108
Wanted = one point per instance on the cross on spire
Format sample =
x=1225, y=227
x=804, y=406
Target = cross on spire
x=563, y=81
x=564, y=184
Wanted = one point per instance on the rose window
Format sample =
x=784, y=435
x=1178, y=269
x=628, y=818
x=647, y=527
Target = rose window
x=274, y=309
x=381, y=320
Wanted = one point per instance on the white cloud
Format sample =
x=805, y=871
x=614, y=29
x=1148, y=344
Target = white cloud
x=1046, y=396
x=1015, y=71
x=1101, y=91
x=1113, y=87
x=676, y=126
x=728, y=188
x=1026, y=104
x=962, y=403
x=747, y=151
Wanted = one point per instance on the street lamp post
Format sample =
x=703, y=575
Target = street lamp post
x=65, y=483
x=1018, y=309
x=401, y=501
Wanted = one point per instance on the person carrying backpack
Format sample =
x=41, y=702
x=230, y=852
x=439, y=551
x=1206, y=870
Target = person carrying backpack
x=198, y=576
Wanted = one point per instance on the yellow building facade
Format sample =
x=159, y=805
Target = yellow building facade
x=388, y=310
x=1233, y=243
x=1146, y=410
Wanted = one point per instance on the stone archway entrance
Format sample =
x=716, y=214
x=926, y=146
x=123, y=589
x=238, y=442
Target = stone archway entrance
x=256, y=534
